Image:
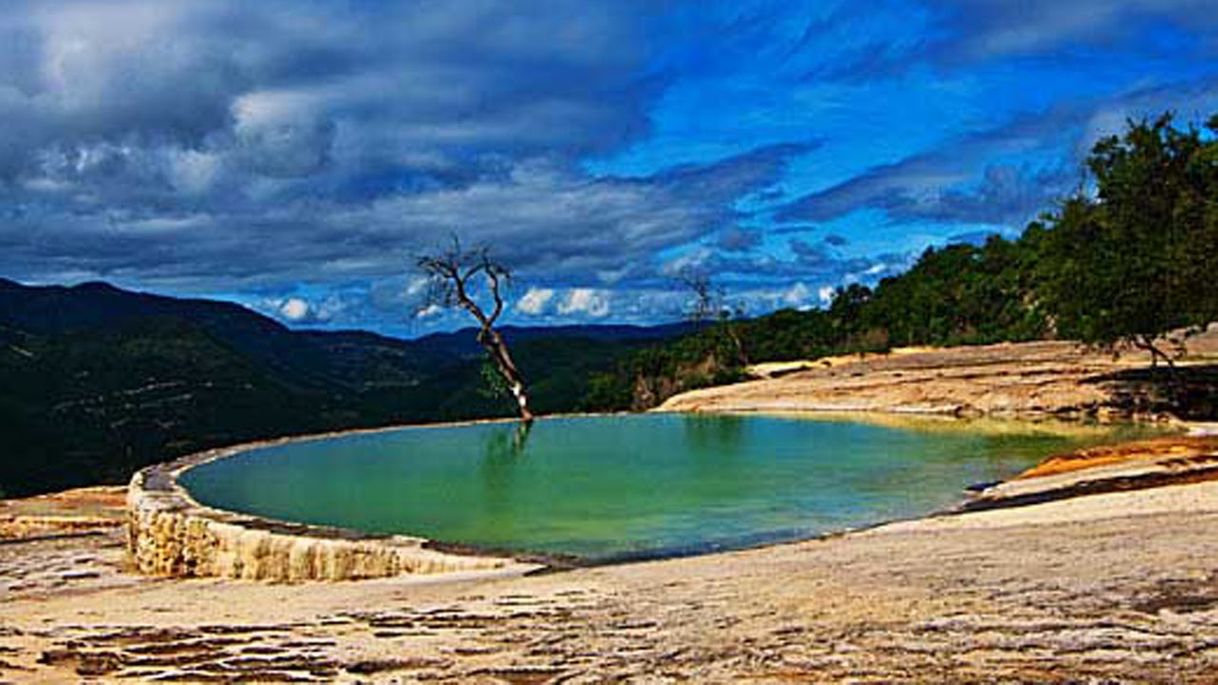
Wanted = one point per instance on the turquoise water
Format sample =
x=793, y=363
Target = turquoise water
x=616, y=487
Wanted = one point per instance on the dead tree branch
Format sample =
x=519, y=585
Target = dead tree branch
x=454, y=275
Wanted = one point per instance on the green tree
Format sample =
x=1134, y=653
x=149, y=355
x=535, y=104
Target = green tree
x=1128, y=262
x=1135, y=260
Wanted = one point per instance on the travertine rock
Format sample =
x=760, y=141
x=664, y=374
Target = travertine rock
x=170, y=534
x=1015, y=380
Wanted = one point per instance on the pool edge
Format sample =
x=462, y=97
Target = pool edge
x=170, y=534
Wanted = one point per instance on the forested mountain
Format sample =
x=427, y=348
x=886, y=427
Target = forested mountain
x=96, y=381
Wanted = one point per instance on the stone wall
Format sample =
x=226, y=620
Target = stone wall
x=170, y=534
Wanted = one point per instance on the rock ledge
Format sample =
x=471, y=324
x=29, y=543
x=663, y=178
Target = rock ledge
x=170, y=534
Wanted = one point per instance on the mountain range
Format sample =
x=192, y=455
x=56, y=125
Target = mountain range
x=97, y=381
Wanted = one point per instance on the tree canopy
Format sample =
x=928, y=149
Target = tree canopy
x=1136, y=258
x=1128, y=258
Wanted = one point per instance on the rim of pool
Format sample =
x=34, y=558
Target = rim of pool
x=680, y=483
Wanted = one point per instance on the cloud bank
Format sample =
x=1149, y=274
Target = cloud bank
x=298, y=156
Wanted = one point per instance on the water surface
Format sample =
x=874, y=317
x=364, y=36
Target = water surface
x=623, y=486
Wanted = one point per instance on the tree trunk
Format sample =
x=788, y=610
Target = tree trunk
x=1174, y=385
x=453, y=271
x=493, y=343
x=741, y=355
x=1147, y=344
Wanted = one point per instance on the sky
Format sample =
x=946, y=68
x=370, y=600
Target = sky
x=297, y=157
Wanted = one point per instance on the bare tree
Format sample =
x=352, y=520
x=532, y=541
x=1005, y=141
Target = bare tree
x=710, y=306
x=707, y=299
x=454, y=274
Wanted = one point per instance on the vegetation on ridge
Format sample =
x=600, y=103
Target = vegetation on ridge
x=1125, y=261
x=96, y=382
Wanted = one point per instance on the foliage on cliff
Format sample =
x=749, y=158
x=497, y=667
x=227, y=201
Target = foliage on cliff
x=1126, y=259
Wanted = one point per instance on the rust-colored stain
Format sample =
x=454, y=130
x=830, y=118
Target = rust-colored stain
x=1184, y=450
x=71, y=511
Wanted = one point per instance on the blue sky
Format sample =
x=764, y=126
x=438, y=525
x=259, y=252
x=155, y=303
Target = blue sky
x=297, y=156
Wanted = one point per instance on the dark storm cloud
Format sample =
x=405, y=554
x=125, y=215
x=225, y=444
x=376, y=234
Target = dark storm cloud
x=204, y=141
x=959, y=182
x=996, y=28
x=542, y=216
x=961, y=33
x=299, y=155
x=1007, y=195
x=935, y=185
x=405, y=77
x=809, y=254
x=738, y=240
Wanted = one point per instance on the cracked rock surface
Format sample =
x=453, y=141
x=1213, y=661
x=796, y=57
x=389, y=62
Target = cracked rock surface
x=1112, y=587
x=1027, y=380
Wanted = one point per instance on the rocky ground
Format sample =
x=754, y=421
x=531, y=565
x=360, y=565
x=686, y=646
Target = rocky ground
x=1119, y=586
x=1059, y=379
x=66, y=513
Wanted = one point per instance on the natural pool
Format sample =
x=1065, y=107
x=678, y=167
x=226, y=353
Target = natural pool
x=615, y=487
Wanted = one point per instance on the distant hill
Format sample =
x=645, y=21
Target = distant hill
x=96, y=381
x=602, y=332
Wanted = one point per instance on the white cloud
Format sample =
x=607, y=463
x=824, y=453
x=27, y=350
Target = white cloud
x=588, y=301
x=825, y=294
x=534, y=301
x=330, y=308
x=694, y=259
x=294, y=309
x=430, y=311
x=418, y=286
x=797, y=296
x=279, y=136
x=192, y=171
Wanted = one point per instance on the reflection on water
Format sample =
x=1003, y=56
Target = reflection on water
x=503, y=448
x=713, y=433
x=505, y=442
x=605, y=487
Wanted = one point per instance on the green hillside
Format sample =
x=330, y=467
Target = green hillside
x=96, y=382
